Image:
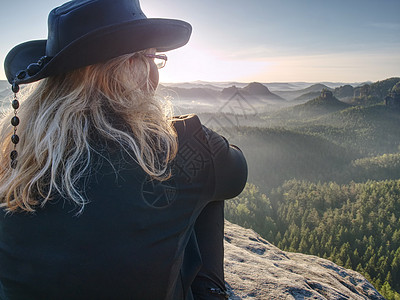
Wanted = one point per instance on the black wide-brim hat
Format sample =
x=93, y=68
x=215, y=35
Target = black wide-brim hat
x=85, y=32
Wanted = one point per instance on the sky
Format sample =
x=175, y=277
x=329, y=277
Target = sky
x=255, y=40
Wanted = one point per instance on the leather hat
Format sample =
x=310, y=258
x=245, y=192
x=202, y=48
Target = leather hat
x=85, y=32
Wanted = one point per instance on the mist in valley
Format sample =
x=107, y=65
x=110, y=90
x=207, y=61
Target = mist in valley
x=324, y=168
x=324, y=165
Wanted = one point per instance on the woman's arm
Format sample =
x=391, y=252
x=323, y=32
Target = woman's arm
x=229, y=165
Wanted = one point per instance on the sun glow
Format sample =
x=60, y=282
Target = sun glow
x=191, y=63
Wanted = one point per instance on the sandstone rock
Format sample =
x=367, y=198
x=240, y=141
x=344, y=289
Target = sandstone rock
x=256, y=269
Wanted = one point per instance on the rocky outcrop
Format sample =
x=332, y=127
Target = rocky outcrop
x=254, y=89
x=258, y=89
x=256, y=269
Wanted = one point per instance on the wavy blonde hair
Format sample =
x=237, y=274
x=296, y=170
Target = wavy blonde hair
x=60, y=114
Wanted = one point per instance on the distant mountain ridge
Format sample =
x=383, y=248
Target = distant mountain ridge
x=272, y=86
x=258, y=89
x=325, y=103
x=202, y=96
x=304, y=94
x=253, y=89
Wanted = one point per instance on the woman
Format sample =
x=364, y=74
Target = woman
x=103, y=195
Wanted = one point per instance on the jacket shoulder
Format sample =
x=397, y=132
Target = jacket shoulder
x=187, y=125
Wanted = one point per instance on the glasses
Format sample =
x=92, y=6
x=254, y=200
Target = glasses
x=159, y=59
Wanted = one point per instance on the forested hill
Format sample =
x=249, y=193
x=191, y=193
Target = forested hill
x=324, y=179
x=258, y=89
x=324, y=103
x=355, y=225
x=324, y=175
x=370, y=94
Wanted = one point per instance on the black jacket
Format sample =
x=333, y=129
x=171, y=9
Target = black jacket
x=134, y=239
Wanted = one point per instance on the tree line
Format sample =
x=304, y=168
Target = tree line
x=356, y=225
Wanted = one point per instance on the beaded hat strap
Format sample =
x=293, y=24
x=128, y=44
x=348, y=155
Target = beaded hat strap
x=15, y=123
x=31, y=70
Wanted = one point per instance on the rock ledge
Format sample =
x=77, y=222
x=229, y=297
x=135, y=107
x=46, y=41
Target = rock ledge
x=256, y=269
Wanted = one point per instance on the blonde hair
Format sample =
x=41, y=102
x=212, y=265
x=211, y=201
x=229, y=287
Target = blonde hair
x=62, y=112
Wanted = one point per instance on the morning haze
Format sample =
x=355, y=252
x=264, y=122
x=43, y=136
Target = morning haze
x=324, y=165
x=310, y=91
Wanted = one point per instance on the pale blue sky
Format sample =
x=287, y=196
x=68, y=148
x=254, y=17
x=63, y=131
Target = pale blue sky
x=257, y=40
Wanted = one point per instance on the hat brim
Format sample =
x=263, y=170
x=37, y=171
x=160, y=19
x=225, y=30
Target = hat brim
x=98, y=46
